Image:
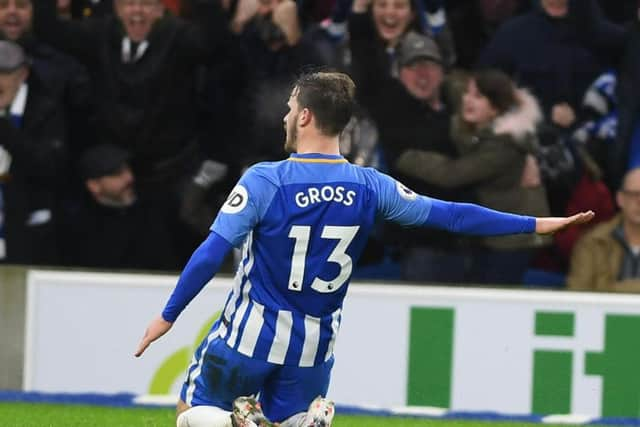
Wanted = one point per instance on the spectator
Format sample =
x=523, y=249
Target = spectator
x=495, y=136
x=377, y=27
x=274, y=51
x=607, y=257
x=33, y=158
x=548, y=51
x=627, y=141
x=474, y=22
x=544, y=51
x=410, y=113
x=144, y=66
x=16, y=24
x=111, y=226
x=199, y=205
x=623, y=43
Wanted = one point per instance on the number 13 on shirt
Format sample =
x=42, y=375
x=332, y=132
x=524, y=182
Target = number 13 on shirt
x=301, y=234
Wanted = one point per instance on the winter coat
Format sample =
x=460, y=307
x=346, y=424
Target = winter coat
x=403, y=122
x=148, y=106
x=596, y=261
x=491, y=162
x=547, y=55
x=36, y=176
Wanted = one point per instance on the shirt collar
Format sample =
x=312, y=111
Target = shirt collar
x=317, y=156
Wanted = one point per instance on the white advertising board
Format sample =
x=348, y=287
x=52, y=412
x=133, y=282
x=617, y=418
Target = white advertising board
x=509, y=351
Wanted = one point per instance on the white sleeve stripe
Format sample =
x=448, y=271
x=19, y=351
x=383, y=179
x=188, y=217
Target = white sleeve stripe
x=252, y=330
x=311, y=340
x=280, y=343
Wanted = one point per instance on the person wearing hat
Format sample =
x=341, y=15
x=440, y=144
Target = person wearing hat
x=411, y=112
x=421, y=70
x=53, y=66
x=33, y=157
x=107, y=176
x=110, y=225
x=150, y=81
x=145, y=64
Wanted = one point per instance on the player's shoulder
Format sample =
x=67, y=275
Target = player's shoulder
x=268, y=171
x=372, y=176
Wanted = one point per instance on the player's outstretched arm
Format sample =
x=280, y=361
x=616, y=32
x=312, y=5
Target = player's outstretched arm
x=550, y=225
x=202, y=266
x=477, y=220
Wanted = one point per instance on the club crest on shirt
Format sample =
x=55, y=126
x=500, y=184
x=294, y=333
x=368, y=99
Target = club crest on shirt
x=405, y=192
x=236, y=201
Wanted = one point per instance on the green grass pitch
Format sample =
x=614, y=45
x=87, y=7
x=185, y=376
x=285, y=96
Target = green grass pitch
x=50, y=415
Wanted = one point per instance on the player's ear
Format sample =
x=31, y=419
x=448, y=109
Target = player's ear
x=305, y=117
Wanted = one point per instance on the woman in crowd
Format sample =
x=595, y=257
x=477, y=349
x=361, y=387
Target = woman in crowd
x=494, y=132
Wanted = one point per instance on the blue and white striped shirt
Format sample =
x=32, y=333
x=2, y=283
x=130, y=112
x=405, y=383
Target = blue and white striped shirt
x=303, y=223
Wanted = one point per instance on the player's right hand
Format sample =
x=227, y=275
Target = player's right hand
x=157, y=328
x=550, y=225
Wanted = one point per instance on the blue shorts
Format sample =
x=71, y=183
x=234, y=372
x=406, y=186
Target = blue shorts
x=218, y=374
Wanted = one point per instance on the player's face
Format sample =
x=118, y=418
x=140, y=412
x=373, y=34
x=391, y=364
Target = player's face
x=290, y=122
x=138, y=16
x=15, y=17
x=476, y=108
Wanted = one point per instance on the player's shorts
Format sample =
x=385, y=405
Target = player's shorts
x=218, y=374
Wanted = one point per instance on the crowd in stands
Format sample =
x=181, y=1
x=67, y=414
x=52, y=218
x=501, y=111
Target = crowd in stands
x=125, y=123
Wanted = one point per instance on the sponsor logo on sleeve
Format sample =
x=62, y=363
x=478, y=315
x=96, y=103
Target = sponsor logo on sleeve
x=405, y=192
x=236, y=201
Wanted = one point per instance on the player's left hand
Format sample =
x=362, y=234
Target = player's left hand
x=157, y=328
x=551, y=225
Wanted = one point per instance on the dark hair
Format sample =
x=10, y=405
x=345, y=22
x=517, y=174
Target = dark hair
x=414, y=23
x=329, y=96
x=497, y=87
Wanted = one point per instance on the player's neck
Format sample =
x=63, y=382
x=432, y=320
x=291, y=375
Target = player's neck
x=319, y=144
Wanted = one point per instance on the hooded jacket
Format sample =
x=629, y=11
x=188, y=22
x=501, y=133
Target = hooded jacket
x=491, y=164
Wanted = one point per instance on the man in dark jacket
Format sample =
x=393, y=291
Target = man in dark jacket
x=16, y=23
x=33, y=158
x=410, y=113
x=111, y=226
x=545, y=50
x=143, y=65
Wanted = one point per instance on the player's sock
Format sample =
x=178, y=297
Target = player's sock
x=204, y=416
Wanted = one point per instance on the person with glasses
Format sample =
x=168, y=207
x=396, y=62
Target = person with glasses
x=607, y=258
